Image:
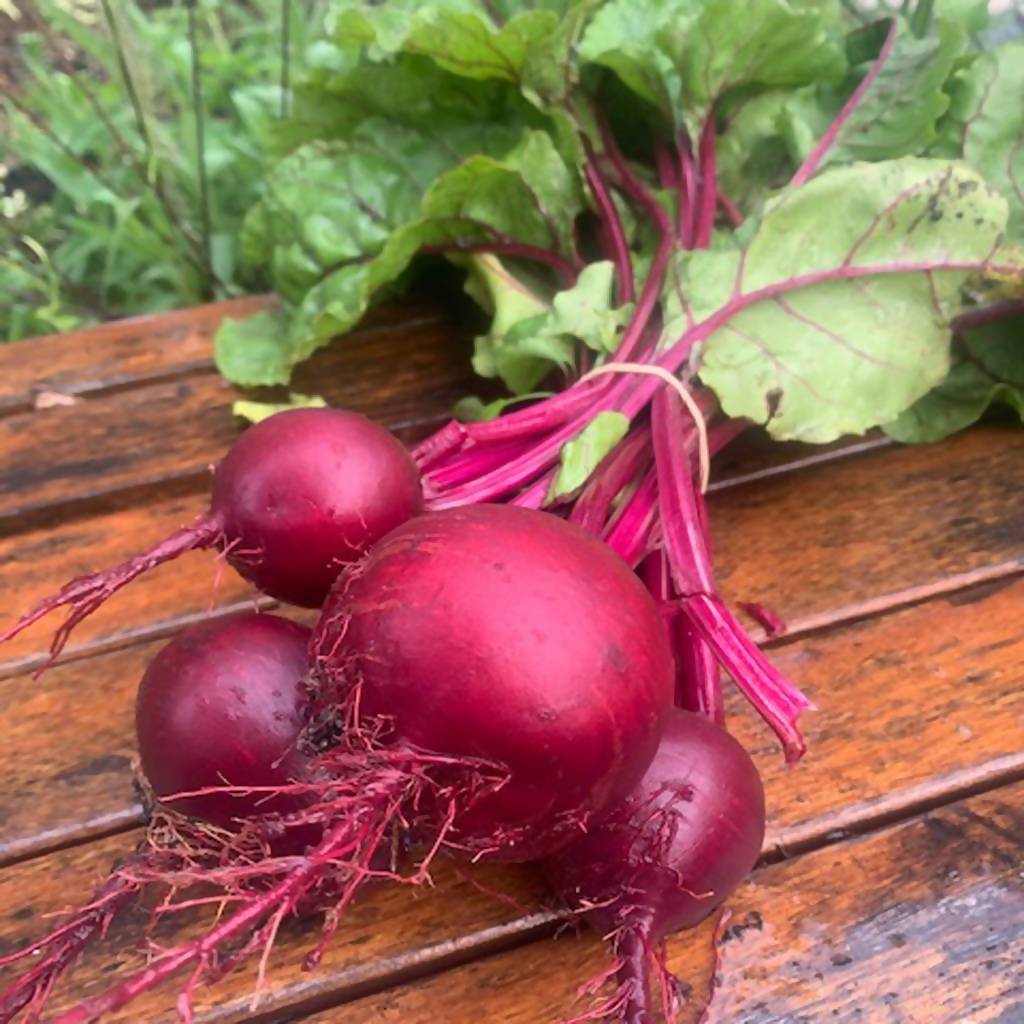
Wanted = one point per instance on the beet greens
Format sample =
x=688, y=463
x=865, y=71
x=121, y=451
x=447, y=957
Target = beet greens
x=637, y=200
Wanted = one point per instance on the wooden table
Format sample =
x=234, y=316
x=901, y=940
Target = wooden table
x=891, y=888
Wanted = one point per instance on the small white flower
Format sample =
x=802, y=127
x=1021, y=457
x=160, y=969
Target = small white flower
x=14, y=204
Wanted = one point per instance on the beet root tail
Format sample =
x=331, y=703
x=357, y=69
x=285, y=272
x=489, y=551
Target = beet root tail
x=84, y=594
x=630, y=1002
x=58, y=951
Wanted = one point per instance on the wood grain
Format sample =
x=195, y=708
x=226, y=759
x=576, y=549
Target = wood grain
x=819, y=546
x=142, y=350
x=920, y=924
x=405, y=375
x=124, y=353
x=913, y=705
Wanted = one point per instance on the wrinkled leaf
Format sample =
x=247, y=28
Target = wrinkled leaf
x=989, y=371
x=634, y=38
x=986, y=124
x=586, y=310
x=833, y=325
x=737, y=44
x=458, y=35
x=255, y=412
x=529, y=195
x=899, y=112
x=585, y=452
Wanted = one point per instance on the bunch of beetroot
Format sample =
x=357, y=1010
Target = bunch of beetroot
x=520, y=646
x=483, y=681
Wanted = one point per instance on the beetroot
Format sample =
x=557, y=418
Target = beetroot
x=223, y=705
x=509, y=635
x=668, y=855
x=300, y=495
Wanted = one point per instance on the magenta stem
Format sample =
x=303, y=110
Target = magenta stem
x=687, y=214
x=698, y=674
x=708, y=185
x=473, y=462
x=630, y=458
x=539, y=418
x=827, y=141
x=629, y=534
x=776, y=699
x=682, y=528
x=612, y=224
x=666, y=167
x=451, y=437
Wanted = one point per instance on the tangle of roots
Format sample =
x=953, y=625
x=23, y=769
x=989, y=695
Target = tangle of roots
x=360, y=798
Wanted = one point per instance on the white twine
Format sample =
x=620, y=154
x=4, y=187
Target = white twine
x=684, y=393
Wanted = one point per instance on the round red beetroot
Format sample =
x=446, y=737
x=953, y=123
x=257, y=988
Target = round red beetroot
x=299, y=496
x=306, y=491
x=679, y=844
x=223, y=705
x=509, y=635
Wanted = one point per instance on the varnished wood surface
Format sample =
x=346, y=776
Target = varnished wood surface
x=872, y=554
x=919, y=924
x=124, y=353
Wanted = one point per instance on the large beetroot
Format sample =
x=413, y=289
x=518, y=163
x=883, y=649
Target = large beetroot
x=510, y=636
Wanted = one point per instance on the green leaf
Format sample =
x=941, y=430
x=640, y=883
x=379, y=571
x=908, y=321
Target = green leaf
x=457, y=35
x=585, y=311
x=986, y=123
x=254, y=412
x=687, y=56
x=529, y=195
x=634, y=38
x=254, y=351
x=831, y=325
x=989, y=371
x=519, y=348
x=585, y=452
x=737, y=44
x=898, y=114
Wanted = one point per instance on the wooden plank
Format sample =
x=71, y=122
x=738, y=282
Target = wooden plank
x=405, y=375
x=916, y=708
x=141, y=350
x=828, y=543
x=921, y=924
x=133, y=351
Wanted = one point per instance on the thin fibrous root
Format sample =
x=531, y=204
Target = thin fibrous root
x=58, y=951
x=363, y=791
x=84, y=594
